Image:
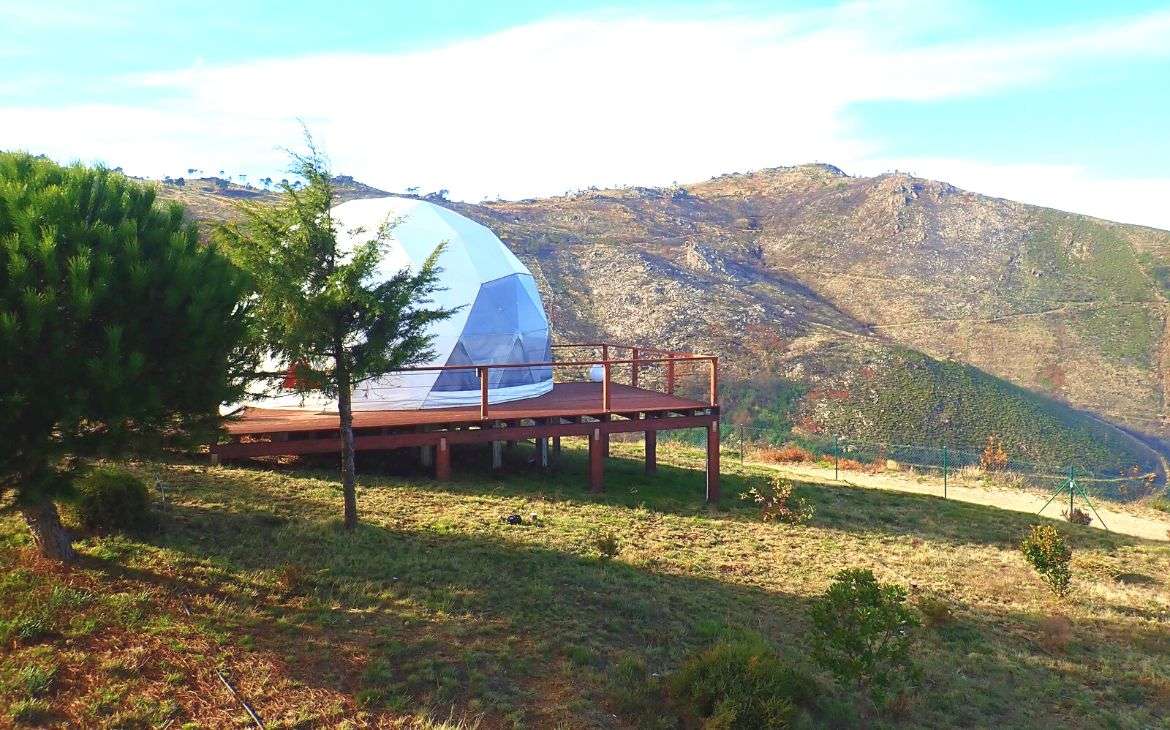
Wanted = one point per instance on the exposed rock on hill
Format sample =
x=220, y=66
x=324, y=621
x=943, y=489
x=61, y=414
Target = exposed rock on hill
x=807, y=273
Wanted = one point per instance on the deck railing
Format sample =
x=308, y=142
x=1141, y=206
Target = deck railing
x=637, y=360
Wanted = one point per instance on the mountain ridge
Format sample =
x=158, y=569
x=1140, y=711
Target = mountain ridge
x=805, y=273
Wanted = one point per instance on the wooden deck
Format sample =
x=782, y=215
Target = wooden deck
x=590, y=409
x=565, y=400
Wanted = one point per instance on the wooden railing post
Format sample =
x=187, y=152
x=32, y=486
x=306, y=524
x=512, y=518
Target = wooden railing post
x=670, y=373
x=605, y=394
x=483, y=391
x=634, y=368
x=714, y=400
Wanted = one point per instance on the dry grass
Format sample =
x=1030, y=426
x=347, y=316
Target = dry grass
x=435, y=611
x=787, y=454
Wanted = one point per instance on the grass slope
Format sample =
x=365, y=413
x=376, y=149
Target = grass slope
x=434, y=603
x=910, y=398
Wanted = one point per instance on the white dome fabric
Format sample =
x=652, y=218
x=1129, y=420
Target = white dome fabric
x=500, y=317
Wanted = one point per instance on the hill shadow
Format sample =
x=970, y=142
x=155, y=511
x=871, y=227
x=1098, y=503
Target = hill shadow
x=424, y=618
x=489, y=620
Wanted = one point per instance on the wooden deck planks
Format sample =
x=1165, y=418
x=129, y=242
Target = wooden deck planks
x=565, y=400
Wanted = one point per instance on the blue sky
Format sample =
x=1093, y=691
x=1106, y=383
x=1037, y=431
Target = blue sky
x=1063, y=104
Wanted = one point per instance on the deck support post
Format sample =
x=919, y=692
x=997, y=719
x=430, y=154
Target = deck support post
x=214, y=459
x=443, y=461
x=713, y=462
x=605, y=438
x=651, y=452
x=556, y=448
x=596, y=461
x=497, y=454
x=426, y=452
x=542, y=452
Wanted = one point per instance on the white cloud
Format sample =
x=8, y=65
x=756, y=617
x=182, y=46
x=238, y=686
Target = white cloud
x=573, y=102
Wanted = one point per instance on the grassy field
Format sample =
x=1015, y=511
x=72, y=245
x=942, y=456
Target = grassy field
x=436, y=609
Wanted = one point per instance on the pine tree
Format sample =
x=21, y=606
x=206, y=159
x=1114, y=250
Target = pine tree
x=118, y=330
x=318, y=306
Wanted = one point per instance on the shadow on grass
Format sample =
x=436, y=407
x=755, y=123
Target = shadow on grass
x=400, y=619
x=673, y=489
x=402, y=614
x=403, y=619
x=858, y=509
x=679, y=487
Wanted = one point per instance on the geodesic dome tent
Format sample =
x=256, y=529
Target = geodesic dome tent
x=500, y=317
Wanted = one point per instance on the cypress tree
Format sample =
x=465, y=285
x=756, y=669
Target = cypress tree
x=318, y=307
x=118, y=330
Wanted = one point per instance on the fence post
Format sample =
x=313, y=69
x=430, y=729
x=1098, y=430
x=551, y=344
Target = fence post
x=742, y=444
x=836, y=459
x=944, y=465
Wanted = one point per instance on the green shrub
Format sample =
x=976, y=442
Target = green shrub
x=779, y=501
x=1047, y=551
x=862, y=631
x=740, y=684
x=110, y=499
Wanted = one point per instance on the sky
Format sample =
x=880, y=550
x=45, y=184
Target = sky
x=1065, y=104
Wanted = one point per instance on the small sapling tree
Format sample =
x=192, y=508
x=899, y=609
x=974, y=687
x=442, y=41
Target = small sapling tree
x=118, y=330
x=993, y=457
x=317, y=303
x=862, y=632
x=1047, y=551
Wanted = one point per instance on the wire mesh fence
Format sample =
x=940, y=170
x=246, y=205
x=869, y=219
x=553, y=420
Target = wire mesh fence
x=990, y=464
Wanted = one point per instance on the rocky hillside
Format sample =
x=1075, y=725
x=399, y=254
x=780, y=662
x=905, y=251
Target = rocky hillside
x=1069, y=306
x=805, y=274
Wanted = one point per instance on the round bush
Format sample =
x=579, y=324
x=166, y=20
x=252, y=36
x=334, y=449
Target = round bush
x=110, y=499
x=740, y=684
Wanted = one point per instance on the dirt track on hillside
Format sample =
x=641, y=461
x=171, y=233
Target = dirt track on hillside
x=1117, y=518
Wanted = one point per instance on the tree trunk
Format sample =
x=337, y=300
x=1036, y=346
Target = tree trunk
x=49, y=536
x=348, y=481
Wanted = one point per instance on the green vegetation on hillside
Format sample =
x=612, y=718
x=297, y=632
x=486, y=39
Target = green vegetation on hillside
x=1075, y=258
x=435, y=606
x=909, y=398
x=1071, y=259
x=766, y=405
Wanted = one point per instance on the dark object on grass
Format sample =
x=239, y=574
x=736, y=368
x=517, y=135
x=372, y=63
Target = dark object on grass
x=513, y=519
x=111, y=499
